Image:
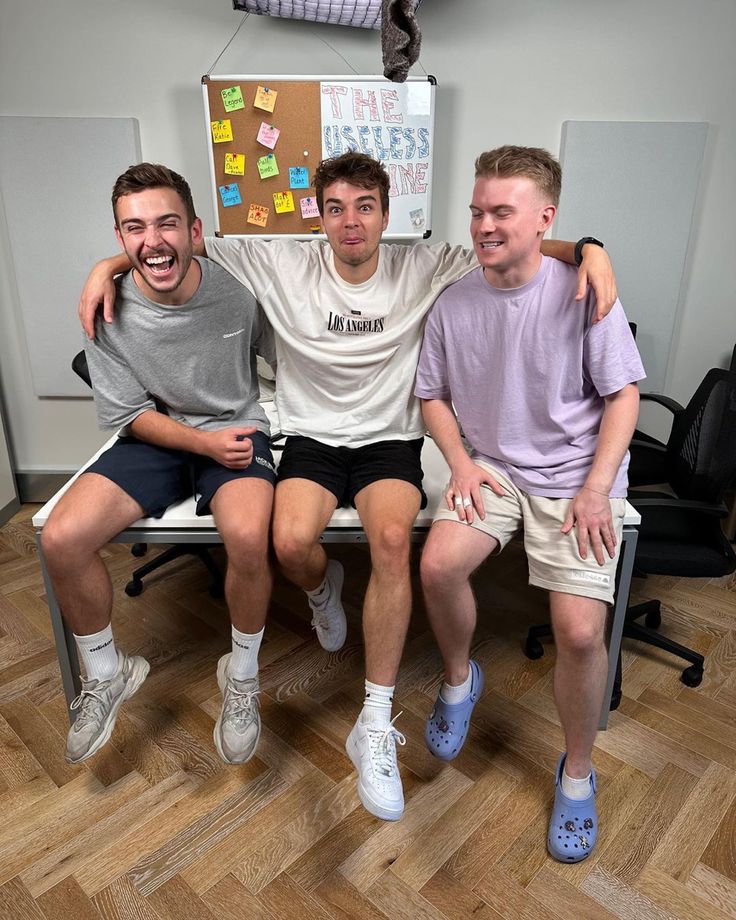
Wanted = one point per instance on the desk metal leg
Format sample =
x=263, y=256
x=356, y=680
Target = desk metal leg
x=66, y=648
x=623, y=587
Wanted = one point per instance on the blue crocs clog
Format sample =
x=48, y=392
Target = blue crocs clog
x=448, y=724
x=573, y=825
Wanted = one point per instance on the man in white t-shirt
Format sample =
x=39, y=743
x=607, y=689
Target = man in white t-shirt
x=348, y=315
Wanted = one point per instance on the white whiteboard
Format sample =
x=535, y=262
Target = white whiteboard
x=56, y=177
x=634, y=185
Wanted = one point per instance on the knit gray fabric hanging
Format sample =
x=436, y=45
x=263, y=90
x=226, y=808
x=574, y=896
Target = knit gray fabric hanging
x=401, y=39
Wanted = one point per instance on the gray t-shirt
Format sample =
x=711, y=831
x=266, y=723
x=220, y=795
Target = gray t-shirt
x=198, y=359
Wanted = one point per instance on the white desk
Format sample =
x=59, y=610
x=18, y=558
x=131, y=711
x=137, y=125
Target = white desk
x=181, y=525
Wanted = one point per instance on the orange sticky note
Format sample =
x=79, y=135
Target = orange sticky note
x=221, y=131
x=258, y=215
x=265, y=99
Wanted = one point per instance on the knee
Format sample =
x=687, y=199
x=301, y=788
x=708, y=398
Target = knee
x=246, y=547
x=292, y=548
x=433, y=569
x=390, y=546
x=579, y=637
x=61, y=540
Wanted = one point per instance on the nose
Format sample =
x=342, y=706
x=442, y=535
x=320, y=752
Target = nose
x=153, y=236
x=487, y=223
x=351, y=217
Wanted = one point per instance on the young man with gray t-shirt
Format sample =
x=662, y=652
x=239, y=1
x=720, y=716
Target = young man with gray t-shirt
x=547, y=402
x=177, y=375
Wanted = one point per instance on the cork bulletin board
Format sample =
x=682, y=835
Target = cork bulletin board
x=266, y=136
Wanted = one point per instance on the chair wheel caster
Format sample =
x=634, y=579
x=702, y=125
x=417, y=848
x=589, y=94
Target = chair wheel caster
x=134, y=588
x=653, y=620
x=533, y=649
x=139, y=549
x=692, y=676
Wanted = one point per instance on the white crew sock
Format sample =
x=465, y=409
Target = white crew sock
x=576, y=789
x=321, y=594
x=244, y=658
x=377, y=703
x=456, y=693
x=98, y=653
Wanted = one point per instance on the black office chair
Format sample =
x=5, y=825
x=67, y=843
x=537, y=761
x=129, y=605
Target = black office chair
x=135, y=586
x=679, y=534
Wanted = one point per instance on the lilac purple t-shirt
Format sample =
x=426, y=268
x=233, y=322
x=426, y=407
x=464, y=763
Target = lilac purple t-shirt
x=527, y=371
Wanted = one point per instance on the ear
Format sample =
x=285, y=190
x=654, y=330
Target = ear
x=197, y=232
x=385, y=220
x=119, y=236
x=546, y=217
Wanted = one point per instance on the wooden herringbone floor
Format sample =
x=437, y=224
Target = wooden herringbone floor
x=156, y=827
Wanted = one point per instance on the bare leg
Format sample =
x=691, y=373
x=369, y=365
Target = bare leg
x=302, y=510
x=452, y=553
x=88, y=516
x=242, y=511
x=580, y=674
x=387, y=511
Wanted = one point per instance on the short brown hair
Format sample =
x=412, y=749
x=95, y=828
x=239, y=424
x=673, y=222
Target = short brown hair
x=355, y=168
x=143, y=176
x=531, y=162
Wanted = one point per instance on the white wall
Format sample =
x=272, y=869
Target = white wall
x=508, y=73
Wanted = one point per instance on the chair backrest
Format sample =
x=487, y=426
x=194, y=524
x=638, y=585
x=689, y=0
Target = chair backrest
x=702, y=444
x=79, y=366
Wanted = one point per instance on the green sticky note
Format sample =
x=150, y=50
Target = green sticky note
x=232, y=98
x=267, y=166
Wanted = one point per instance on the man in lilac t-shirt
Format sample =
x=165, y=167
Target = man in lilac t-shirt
x=547, y=402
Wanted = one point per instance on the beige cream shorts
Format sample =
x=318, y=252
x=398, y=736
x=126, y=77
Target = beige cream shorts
x=554, y=557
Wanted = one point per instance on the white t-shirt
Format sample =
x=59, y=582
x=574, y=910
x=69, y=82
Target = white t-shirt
x=347, y=353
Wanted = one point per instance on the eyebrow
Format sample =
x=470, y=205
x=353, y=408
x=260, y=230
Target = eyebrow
x=138, y=220
x=359, y=200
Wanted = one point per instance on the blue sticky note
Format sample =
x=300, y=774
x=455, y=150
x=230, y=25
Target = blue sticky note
x=298, y=177
x=230, y=195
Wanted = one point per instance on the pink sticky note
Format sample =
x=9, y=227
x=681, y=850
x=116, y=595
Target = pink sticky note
x=267, y=135
x=309, y=208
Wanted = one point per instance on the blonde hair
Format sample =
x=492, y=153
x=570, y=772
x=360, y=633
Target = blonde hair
x=530, y=162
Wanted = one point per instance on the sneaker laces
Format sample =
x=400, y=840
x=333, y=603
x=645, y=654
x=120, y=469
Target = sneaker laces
x=89, y=702
x=239, y=703
x=383, y=743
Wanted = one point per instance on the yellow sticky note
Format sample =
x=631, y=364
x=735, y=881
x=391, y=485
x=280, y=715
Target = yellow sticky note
x=265, y=99
x=232, y=98
x=221, y=131
x=258, y=215
x=235, y=164
x=283, y=202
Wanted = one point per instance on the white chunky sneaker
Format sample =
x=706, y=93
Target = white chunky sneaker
x=97, y=707
x=329, y=618
x=238, y=727
x=372, y=748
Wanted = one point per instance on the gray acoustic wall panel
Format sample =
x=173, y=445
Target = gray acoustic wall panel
x=634, y=185
x=56, y=175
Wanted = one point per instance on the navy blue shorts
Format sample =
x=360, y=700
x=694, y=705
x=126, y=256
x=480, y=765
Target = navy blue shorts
x=344, y=471
x=157, y=477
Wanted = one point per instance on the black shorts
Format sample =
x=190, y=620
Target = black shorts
x=157, y=477
x=344, y=471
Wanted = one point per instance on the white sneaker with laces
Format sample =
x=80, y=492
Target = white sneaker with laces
x=238, y=726
x=372, y=748
x=97, y=707
x=329, y=618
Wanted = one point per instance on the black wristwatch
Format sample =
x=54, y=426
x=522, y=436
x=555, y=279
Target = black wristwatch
x=579, y=247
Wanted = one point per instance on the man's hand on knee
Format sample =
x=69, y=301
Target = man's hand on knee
x=463, y=493
x=590, y=513
x=230, y=447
